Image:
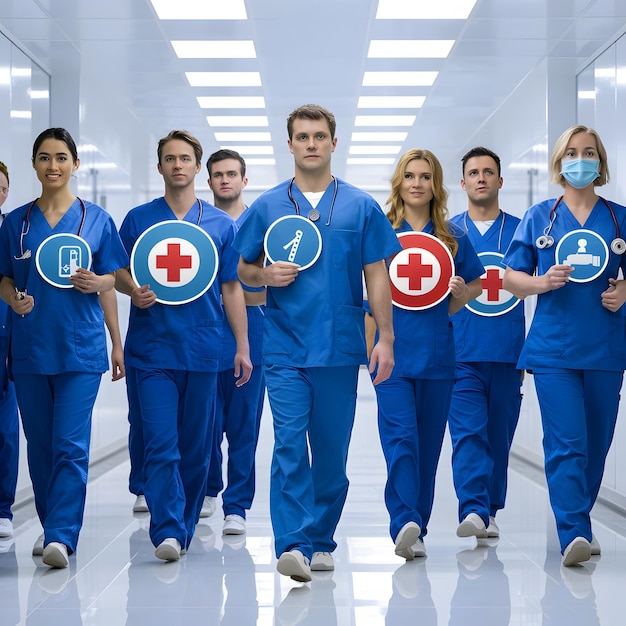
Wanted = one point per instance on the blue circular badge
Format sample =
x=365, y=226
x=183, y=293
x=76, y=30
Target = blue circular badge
x=586, y=252
x=494, y=300
x=59, y=256
x=294, y=239
x=177, y=259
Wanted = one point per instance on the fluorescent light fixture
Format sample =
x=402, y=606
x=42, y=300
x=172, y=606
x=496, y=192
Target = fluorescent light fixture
x=370, y=161
x=39, y=94
x=214, y=49
x=231, y=102
x=5, y=76
x=237, y=120
x=260, y=161
x=88, y=147
x=391, y=102
x=103, y=166
x=224, y=79
x=586, y=95
x=234, y=136
x=410, y=48
x=21, y=115
x=21, y=72
x=375, y=149
x=244, y=150
x=399, y=79
x=200, y=9
x=605, y=72
x=384, y=136
x=440, y=10
x=384, y=120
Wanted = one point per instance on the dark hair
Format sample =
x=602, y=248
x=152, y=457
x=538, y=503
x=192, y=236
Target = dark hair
x=61, y=135
x=4, y=170
x=223, y=154
x=183, y=135
x=311, y=112
x=479, y=151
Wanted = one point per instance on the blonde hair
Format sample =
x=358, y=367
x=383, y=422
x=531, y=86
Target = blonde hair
x=438, y=208
x=560, y=149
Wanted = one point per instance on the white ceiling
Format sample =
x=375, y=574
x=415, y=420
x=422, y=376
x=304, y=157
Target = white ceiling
x=306, y=52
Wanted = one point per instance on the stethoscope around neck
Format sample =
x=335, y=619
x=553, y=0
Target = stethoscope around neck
x=314, y=214
x=618, y=245
x=499, y=234
x=26, y=227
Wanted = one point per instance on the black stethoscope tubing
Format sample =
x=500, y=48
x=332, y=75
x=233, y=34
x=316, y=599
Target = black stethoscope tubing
x=314, y=214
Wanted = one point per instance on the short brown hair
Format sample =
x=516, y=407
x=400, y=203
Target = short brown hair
x=311, y=112
x=4, y=170
x=183, y=135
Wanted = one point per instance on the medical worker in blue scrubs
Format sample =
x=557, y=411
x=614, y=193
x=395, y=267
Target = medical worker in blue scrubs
x=173, y=350
x=9, y=426
x=238, y=409
x=413, y=403
x=486, y=397
x=314, y=338
x=576, y=345
x=58, y=342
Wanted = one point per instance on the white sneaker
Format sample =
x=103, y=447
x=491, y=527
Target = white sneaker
x=234, y=525
x=322, y=562
x=55, y=555
x=596, y=550
x=406, y=538
x=419, y=549
x=6, y=527
x=38, y=546
x=492, y=530
x=141, y=506
x=209, y=505
x=295, y=565
x=472, y=526
x=577, y=551
x=168, y=550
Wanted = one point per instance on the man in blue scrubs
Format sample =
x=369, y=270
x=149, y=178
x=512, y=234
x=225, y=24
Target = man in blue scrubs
x=488, y=339
x=314, y=337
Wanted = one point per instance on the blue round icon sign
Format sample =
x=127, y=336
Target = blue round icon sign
x=294, y=239
x=494, y=299
x=59, y=256
x=177, y=259
x=586, y=252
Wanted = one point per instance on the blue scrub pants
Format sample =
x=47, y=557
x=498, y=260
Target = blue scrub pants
x=412, y=415
x=56, y=415
x=135, y=434
x=578, y=411
x=238, y=416
x=9, y=448
x=483, y=416
x=177, y=412
x=308, y=485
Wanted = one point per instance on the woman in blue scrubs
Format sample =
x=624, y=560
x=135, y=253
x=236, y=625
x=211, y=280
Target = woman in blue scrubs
x=58, y=342
x=413, y=403
x=568, y=252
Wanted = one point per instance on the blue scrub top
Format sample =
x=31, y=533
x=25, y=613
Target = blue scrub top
x=184, y=336
x=496, y=339
x=65, y=330
x=317, y=321
x=570, y=327
x=424, y=346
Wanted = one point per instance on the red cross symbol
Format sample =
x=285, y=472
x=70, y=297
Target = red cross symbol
x=173, y=262
x=415, y=270
x=492, y=283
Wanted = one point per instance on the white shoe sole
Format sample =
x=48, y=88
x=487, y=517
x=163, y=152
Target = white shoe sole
x=469, y=528
x=576, y=552
x=55, y=555
x=407, y=537
x=167, y=552
x=290, y=565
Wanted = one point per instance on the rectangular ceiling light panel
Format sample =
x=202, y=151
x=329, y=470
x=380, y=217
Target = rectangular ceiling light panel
x=224, y=79
x=231, y=102
x=440, y=10
x=214, y=49
x=200, y=9
x=391, y=102
x=410, y=48
x=399, y=79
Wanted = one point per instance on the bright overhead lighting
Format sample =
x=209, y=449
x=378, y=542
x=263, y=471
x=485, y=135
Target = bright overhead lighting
x=39, y=94
x=605, y=72
x=371, y=161
x=237, y=120
x=87, y=147
x=384, y=136
x=250, y=149
x=200, y=10
x=399, y=79
x=224, y=79
x=587, y=95
x=21, y=72
x=410, y=48
x=391, y=102
x=384, y=120
x=231, y=102
x=440, y=10
x=214, y=49
x=226, y=136
x=21, y=115
x=260, y=161
x=375, y=149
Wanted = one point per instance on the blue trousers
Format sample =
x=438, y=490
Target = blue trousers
x=9, y=448
x=238, y=416
x=483, y=416
x=412, y=415
x=578, y=411
x=177, y=412
x=56, y=415
x=308, y=485
x=135, y=434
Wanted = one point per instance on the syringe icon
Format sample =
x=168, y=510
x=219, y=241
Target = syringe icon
x=294, y=243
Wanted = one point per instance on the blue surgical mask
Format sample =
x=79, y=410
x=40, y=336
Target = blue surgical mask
x=580, y=172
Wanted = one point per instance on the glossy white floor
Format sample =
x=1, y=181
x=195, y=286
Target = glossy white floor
x=114, y=579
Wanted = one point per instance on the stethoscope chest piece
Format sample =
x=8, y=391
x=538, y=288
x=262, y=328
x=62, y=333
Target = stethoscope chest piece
x=618, y=245
x=544, y=241
x=314, y=215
